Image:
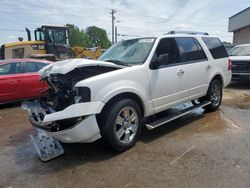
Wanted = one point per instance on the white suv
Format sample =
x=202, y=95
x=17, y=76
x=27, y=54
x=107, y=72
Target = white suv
x=134, y=79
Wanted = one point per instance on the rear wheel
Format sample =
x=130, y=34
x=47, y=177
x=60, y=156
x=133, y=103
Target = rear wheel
x=122, y=124
x=214, y=95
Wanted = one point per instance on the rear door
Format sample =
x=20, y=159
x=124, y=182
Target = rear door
x=192, y=54
x=31, y=79
x=11, y=86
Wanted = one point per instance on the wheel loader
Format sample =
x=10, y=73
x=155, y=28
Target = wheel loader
x=51, y=43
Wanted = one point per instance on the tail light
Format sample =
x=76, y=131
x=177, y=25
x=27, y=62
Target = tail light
x=229, y=66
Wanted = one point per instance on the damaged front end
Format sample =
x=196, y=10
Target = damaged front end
x=67, y=112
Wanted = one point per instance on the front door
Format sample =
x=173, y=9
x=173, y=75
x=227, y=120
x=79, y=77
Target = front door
x=168, y=83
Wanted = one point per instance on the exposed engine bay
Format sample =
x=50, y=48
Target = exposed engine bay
x=62, y=93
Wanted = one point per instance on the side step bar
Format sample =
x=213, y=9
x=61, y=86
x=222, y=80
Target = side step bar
x=164, y=120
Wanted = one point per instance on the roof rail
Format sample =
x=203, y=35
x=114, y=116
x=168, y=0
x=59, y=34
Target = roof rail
x=188, y=32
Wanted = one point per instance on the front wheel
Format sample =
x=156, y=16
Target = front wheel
x=122, y=124
x=214, y=94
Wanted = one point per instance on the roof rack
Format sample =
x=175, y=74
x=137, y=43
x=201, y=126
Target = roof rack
x=187, y=32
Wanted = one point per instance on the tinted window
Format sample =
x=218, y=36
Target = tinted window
x=33, y=66
x=168, y=46
x=215, y=47
x=190, y=49
x=10, y=68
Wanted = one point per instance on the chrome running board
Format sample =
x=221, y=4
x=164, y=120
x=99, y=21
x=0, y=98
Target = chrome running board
x=166, y=119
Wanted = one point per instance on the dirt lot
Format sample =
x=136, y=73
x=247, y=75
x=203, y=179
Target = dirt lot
x=198, y=150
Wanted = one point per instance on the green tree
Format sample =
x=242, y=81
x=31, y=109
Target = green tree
x=99, y=36
x=78, y=37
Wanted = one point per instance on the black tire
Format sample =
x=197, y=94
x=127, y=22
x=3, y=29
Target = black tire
x=214, y=94
x=111, y=129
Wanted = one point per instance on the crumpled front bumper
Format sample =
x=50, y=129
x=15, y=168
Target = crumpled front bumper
x=85, y=129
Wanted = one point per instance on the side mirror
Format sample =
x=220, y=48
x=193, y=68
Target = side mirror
x=162, y=59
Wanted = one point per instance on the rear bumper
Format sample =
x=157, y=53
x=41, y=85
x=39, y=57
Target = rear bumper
x=76, y=123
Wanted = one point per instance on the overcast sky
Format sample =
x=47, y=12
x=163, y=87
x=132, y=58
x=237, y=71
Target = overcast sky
x=136, y=17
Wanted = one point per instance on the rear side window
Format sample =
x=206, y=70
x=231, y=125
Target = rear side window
x=190, y=49
x=215, y=47
x=34, y=66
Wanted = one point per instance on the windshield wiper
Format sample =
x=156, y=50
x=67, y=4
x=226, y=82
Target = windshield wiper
x=118, y=62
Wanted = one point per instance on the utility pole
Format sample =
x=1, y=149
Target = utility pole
x=115, y=34
x=113, y=11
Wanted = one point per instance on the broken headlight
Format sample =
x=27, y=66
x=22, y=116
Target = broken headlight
x=83, y=94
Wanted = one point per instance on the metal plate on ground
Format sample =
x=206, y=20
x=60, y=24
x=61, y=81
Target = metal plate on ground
x=47, y=147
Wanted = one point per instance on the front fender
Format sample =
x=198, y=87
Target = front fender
x=115, y=88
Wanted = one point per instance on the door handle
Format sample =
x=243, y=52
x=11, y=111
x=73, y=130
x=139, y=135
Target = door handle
x=208, y=66
x=180, y=72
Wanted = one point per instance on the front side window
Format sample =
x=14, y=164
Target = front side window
x=215, y=47
x=240, y=51
x=168, y=46
x=190, y=49
x=10, y=68
x=34, y=66
x=129, y=52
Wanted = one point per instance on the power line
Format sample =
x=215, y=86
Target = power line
x=124, y=35
x=160, y=19
x=13, y=30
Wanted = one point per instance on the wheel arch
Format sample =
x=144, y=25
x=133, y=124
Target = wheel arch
x=120, y=96
x=125, y=95
x=219, y=77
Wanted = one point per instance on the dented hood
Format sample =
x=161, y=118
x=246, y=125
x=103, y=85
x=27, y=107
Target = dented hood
x=65, y=66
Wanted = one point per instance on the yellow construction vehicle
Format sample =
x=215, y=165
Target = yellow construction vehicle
x=51, y=42
x=90, y=53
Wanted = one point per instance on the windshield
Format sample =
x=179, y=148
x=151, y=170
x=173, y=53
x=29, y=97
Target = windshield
x=129, y=52
x=240, y=51
x=57, y=36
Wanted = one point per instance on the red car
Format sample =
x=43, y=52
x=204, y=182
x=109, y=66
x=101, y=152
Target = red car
x=19, y=79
